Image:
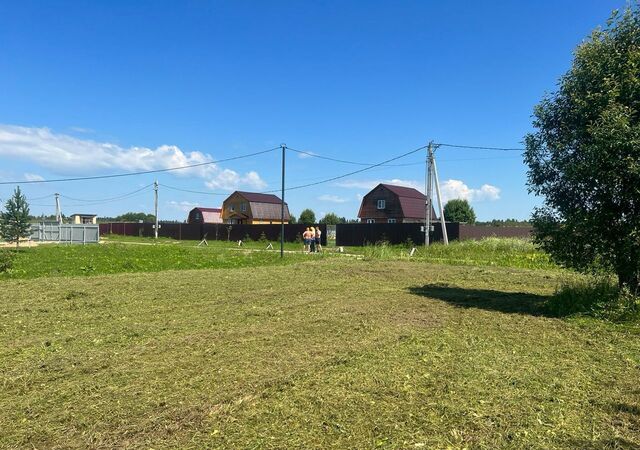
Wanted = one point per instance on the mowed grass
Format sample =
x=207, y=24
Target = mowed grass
x=329, y=353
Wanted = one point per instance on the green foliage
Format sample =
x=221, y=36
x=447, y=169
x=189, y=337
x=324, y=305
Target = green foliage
x=584, y=157
x=247, y=238
x=505, y=223
x=459, y=210
x=597, y=297
x=262, y=238
x=14, y=221
x=332, y=219
x=6, y=260
x=307, y=217
x=129, y=217
x=292, y=219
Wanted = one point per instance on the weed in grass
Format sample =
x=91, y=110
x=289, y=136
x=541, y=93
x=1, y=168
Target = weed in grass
x=597, y=297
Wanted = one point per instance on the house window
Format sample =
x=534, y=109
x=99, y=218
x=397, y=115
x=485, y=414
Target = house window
x=391, y=220
x=243, y=207
x=232, y=207
x=381, y=204
x=371, y=220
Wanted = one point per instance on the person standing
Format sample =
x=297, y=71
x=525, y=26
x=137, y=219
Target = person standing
x=312, y=235
x=306, y=237
x=318, y=239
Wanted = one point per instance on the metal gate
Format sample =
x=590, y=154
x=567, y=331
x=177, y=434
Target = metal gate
x=65, y=233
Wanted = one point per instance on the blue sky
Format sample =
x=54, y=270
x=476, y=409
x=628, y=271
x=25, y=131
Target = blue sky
x=90, y=88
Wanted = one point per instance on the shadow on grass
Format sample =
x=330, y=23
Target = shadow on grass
x=506, y=302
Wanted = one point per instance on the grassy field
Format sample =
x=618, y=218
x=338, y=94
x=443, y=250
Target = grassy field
x=329, y=352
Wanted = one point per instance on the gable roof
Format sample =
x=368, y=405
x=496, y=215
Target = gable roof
x=402, y=191
x=261, y=198
x=201, y=209
x=412, y=201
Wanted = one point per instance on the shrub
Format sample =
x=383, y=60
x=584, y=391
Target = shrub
x=597, y=297
x=263, y=237
x=6, y=260
x=246, y=238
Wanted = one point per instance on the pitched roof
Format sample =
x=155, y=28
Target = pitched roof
x=262, y=198
x=268, y=211
x=201, y=209
x=402, y=191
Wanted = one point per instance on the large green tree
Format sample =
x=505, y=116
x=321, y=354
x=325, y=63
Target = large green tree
x=307, y=217
x=14, y=220
x=584, y=156
x=458, y=210
x=332, y=219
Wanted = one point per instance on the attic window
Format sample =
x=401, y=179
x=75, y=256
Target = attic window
x=243, y=207
x=232, y=207
x=381, y=204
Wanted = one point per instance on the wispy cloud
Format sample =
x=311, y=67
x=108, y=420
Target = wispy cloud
x=33, y=177
x=183, y=206
x=68, y=155
x=82, y=130
x=306, y=155
x=332, y=198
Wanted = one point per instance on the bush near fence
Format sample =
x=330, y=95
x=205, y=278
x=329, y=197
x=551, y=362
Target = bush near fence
x=359, y=234
x=213, y=231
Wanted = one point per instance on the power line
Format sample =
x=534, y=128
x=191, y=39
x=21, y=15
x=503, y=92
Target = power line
x=107, y=199
x=354, y=172
x=143, y=172
x=39, y=198
x=192, y=191
x=473, y=147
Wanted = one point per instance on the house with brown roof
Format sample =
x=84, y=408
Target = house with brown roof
x=253, y=208
x=205, y=215
x=387, y=203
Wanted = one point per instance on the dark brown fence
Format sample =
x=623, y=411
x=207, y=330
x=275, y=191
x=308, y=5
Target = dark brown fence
x=478, y=232
x=358, y=234
x=219, y=232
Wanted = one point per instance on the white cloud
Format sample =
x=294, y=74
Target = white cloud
x=458, y=189
x=33, y=177
x=81, y=130
x=69, y=155
x=332, y=198
x=231, y=180
x=370, y=184
x=183, y=206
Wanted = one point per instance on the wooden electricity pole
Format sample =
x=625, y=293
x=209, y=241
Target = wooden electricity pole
x=155, y=195
x=284, y=146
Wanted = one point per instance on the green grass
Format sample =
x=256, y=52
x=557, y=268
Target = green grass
x=329, y=353
x=503, y=252
x=69, y=260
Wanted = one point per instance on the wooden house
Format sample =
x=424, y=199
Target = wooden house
x=387, y=203
x=205, y=215
x=253, y=208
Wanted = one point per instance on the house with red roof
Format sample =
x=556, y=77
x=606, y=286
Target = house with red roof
x=253, y=208
x=387, y=203
x=205, y=215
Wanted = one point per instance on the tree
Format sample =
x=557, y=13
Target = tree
x=458, y=210
x=332, y=219
x=307, y=217
x=292, y=219
x=14, y=221
x=584, y=157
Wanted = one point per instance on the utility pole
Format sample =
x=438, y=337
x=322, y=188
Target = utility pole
x=284, y=147
x=428, y=192
x=155, y=190
x=445, y=237
x=58, y=211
